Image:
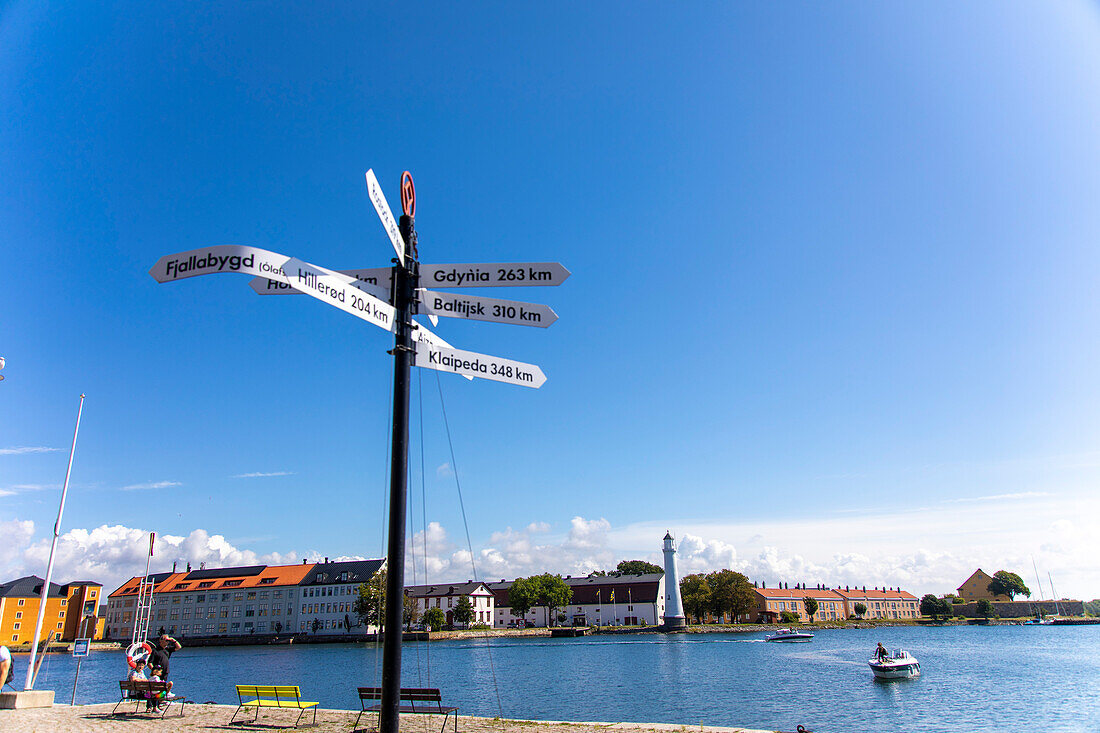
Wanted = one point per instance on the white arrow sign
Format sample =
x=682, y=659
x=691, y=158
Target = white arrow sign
x=483, y=366
x=375, y=280
x=325, y=285
x=493, y=275
x=383, y=208
x=340, y=291
x=478, y=308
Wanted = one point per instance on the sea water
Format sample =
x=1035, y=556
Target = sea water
x=973, y=678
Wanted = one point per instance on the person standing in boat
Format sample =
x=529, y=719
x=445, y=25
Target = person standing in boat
x=880, y=652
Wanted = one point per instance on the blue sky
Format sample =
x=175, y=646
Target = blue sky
x=831, y=319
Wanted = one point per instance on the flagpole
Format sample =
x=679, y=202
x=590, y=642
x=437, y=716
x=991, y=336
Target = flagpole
x=29, y=685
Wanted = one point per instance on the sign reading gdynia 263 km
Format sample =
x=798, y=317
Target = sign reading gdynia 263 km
x=366, y=293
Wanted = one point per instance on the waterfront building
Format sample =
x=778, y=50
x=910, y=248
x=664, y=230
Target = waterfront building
x=328, y=593
x=881, y=603
x=605, y=600
x=673, y=617
x=67, y=609
x=445, y=596
x=237, y=601
x=976, y=588
x=772, y=602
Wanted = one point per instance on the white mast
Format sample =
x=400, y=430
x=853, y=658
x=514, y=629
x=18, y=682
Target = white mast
x=29, y=684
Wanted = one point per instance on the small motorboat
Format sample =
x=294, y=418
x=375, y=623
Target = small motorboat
x=899, y=665
x=789, y=635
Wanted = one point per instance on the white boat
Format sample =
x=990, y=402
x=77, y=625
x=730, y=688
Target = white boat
x=899, y=665
x=789, y=635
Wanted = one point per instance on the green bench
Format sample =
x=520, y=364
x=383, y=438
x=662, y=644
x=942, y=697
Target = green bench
x=273, y=696
x=422, y=701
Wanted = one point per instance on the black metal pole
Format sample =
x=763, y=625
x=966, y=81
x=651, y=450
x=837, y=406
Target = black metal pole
x=405, y=279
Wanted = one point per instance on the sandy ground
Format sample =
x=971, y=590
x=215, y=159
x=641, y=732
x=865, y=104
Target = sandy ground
x=98, y=719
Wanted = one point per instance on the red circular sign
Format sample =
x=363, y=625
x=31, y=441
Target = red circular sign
x=408, y=195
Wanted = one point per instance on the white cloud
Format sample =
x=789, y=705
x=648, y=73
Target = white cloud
x=154, y=485
x=113, y=554
x=924, y=550
x=444, y=469
x=5, y=492
x=24, y=449
x=262, y=474
x=998, y=497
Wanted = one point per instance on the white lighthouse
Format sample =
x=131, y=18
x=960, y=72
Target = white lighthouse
x=674, y=609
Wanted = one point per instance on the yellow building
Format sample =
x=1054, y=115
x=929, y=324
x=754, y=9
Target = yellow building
x=65, y=609
x=976, y=587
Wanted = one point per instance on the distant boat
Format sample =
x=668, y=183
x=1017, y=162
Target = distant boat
x=900, y=665
x=789, y=635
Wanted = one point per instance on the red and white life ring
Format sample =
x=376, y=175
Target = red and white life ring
x=138, y=652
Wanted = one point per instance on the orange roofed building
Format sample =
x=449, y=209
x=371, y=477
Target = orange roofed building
x=241, y=601
x=772, y=602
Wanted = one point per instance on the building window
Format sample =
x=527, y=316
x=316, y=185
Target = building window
x=222, y=628
x=20, y=602
x=236, y=611
x=16, y=626
x=251, y=595
x=238, y=596
x=19, y=614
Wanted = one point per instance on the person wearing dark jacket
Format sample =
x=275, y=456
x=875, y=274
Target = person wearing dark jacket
x=163, y=649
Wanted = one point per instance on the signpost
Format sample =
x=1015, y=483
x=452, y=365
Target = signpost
x=80, y=650
x=478, y=308
x=493, y=275
x=388, y=298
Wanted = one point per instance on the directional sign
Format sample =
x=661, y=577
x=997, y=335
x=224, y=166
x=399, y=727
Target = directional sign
x=424, y=336
x=493, y=275
x=325, y=285
x=478, y=308
x=383, y=208
x=374, y=280
x=483, y=366
x=340, y=291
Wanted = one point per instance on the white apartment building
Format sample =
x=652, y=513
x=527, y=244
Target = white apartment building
x=445, y=596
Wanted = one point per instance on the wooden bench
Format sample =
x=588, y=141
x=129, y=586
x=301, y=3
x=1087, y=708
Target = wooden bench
x=273, y=696
x=429, y=699
x=151, y=692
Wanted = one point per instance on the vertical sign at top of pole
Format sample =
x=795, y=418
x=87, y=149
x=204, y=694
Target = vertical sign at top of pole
x=378, y=199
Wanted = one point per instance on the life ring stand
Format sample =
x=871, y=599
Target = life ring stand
x=138, y=652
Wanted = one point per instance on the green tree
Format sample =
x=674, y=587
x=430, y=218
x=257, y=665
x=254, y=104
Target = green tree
x=638, y=567
x=985, y=608
x=523, y=595
x=731, y=593
x=464, y=611
x=552, y=593
x=695, y=595
x=933, y=607
x=860, y=609
x=811, y=607
x=434, y=618
x=1008, y=584
x=789, y=617
x=370, y=604
x=411, y=613
x=1092, y=608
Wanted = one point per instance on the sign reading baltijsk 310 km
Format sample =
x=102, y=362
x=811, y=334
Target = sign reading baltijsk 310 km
x=367, y=293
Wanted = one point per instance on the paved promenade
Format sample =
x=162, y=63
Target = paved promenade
x=98, y=719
